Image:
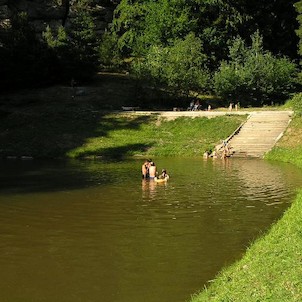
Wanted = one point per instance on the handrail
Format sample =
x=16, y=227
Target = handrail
x=218, y=147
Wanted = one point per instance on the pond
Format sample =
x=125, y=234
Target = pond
x=95, y=231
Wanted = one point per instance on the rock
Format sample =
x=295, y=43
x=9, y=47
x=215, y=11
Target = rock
x=55, y=13
x=5, y=12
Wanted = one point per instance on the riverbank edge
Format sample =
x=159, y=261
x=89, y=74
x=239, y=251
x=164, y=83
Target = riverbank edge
x=270, y=270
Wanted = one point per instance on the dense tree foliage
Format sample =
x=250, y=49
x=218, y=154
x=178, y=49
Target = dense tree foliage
x=156, y=34
x=75, y=48
x=24, y=60
x=298, y=6
x=148, y=23
x=67, y=52
x=275, y=21
x=143, y=23
x=180, y=66
x=253, y=75
x=179, y=45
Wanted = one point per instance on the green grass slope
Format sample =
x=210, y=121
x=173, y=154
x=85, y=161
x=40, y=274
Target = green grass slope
x=271, y=269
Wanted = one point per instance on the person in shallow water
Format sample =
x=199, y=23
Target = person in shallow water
x=163, y=177
x=152, y=170
x=145, y=169
x=164, y=174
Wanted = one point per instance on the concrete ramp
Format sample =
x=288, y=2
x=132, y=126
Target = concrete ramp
x=260, y=133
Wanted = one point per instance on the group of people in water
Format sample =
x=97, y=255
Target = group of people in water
x=149, y=171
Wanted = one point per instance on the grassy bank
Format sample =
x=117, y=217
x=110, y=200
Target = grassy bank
x=155, y=136
x=289, y=148
x=271, y=268
x=56, y=127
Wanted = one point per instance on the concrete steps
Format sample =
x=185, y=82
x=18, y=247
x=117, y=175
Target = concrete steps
x=260, y=133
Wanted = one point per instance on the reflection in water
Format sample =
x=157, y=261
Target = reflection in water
x=150, y=188
x=258, y=176
x=94, y=231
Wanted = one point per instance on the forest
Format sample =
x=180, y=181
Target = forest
x=243, y=50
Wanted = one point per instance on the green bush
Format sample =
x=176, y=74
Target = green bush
x=142, y=24
x=109, y=55
x=296, y=103
x=254, y=76
x=180, y=66
x=75, y=47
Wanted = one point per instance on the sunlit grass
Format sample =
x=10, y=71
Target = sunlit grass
x=289, y=149
x=158, y=137
x=271, y=269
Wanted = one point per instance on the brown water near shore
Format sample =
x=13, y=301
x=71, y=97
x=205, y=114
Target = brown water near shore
x=94, y=231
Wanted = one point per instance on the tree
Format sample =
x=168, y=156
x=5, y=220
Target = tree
x=141, y=25
x=76, y=47
x=180, y=66
x=275, y=20
x=298, y=7
x=254, y=76
x=25, y=61
x=109, y=54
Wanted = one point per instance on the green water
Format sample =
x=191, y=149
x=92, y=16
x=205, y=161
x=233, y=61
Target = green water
x=94, y=231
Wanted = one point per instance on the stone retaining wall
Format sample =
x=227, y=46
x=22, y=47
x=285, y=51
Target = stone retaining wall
x=55, y=12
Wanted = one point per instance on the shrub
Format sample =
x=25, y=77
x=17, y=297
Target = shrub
x=296, y=103
x=253, y=75
x=180, y=66
x=109, y=55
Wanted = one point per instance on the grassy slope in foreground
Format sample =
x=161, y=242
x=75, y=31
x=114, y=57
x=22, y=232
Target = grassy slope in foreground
x=271, y=270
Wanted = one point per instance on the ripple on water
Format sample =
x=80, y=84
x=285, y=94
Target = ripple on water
x=101, y=224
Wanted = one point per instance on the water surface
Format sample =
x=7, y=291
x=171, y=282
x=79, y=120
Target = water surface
x=94, y=231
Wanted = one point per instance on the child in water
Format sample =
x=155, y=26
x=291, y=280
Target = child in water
x=164, y=174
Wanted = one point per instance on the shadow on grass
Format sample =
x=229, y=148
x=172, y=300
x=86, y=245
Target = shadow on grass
x=107, y=124
x=50, y=130
x=53, y=130
x=118, y=152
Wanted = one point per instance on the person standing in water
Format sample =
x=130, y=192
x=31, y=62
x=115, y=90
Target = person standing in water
x=152, y=170
x=145, y=169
